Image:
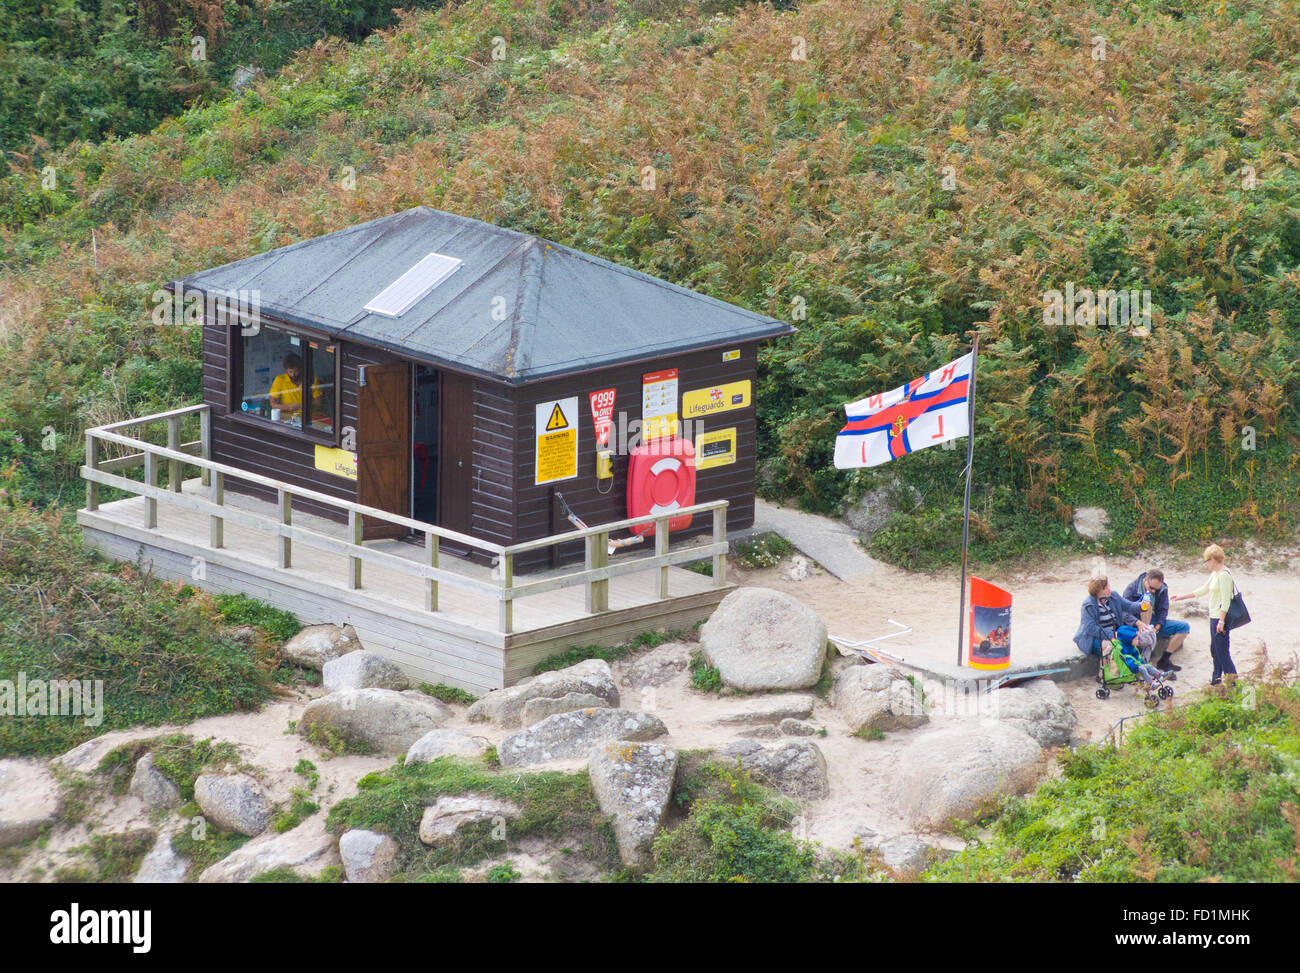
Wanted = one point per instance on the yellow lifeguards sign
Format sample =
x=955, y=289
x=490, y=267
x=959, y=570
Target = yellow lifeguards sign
x=717, y=398
x=340, y=462
x=557, y=440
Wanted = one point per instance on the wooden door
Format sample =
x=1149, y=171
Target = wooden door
x=455, y=452
x=384, y=446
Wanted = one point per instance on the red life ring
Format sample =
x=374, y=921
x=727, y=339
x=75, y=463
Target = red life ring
x=660, y=478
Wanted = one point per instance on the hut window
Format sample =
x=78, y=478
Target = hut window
x=276, y=367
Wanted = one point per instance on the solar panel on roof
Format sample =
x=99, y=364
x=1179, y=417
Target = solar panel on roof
x=402, y=294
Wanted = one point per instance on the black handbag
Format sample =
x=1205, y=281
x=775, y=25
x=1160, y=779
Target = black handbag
x=1237, y=615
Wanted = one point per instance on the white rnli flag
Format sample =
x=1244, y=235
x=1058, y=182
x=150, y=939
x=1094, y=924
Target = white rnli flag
x=924, y=412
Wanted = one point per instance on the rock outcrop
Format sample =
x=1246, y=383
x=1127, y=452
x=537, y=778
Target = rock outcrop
x=568, y=735
x=506, y=706
x=877, y=697
x=963, y=770
x=1038, y=707
x=316, y=645
x=367, y=856
x=308, y=849
x=445, y=742
x=633, y=782
x=384, y=720
x=759, y=639
x=441, y=821
x=362, y=670
x=794, y=767
x=233, y=802
x=150, y=785
x=29, y=800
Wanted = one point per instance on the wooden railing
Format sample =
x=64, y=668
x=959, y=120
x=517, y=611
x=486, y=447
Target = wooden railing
x=595, y=575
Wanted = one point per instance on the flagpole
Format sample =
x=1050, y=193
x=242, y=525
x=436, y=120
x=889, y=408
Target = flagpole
x=965, y=516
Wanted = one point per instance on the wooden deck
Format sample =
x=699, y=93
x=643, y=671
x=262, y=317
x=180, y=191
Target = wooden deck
x=460, y=643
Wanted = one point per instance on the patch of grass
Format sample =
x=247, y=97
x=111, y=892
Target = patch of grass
x=300, y=809
x=503, y=874
x=491, y=758
x=448, y=694
x=239, y=609
x=764, y=551
x=553, y=805
x=203, y=843
x=1216, y=782
x=306, y=769
x=65, y=614
x=734, y=830
x=117, y=857
x=331, y=742
x=178, y=757
x=704, y=677
x=869, y=733
x=580, y=653
x=704, y=567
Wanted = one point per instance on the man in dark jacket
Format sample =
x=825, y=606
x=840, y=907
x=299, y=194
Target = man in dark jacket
x=1169, y=631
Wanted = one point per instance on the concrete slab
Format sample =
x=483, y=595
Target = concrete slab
x=827, y=541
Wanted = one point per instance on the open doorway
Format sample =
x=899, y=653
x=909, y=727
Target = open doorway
x=424, y=445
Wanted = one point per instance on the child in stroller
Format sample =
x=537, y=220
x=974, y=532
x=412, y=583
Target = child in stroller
x=1122, y=662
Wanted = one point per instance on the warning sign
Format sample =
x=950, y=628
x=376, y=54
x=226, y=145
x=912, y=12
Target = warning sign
x=557, y=440
x=659, y=404
x=602, y=411
x=557, y=420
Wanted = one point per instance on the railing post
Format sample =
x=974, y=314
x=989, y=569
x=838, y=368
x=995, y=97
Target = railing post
x=598, y=557
x=661, y=549
x=217, y=523
x=354, y=563
x=286, y=518
x=174, y=442
x=720, y=537
x=506, y=604
x=92, y=461
x=205, y=443
x=150, y=480
x=431, y=590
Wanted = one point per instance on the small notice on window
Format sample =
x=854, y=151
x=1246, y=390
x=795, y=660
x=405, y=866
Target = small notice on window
x=557, y=440
x=659, y=404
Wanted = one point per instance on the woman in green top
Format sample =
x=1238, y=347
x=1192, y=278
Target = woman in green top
x=1219, y=587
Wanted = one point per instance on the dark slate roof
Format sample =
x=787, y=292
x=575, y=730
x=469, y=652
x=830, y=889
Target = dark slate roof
x=566, y=311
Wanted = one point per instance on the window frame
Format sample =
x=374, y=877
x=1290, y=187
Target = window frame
x=235, y=383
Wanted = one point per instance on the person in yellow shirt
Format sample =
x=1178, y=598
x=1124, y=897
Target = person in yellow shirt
x=286, y=390
x=1219, y=587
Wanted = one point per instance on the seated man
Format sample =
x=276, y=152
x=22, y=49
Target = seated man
x=286, y=391
x=1101, y=615
x=1151, y=584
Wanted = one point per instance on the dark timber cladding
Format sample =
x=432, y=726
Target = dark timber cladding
x=597, y=502
x=412, y=378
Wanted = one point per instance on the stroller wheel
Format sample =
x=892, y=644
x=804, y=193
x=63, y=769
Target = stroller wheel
x=1103, y=693
x=1150, y=702
x=1166, y=692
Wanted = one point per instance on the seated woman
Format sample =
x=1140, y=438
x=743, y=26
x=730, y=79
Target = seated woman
x=1101, y=616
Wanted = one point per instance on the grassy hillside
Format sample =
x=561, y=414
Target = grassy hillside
x=780, y=183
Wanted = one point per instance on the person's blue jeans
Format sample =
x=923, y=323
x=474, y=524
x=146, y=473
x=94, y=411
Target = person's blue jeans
x=1174, y=627
x=1221, y=652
